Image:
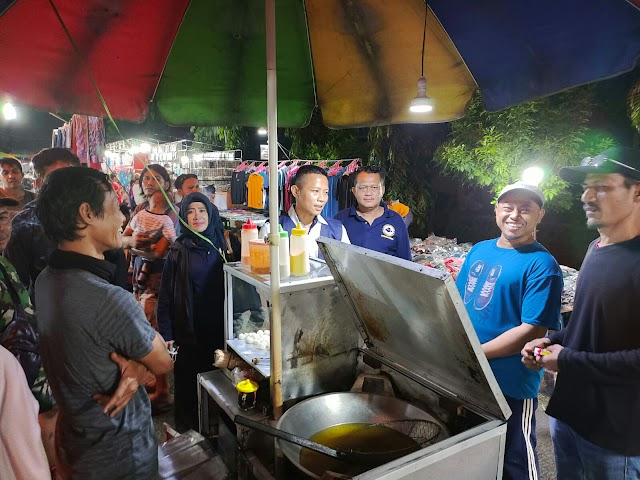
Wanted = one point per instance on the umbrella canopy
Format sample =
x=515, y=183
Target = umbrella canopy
x=203, y=61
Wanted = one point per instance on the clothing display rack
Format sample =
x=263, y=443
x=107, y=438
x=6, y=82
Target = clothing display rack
x=250, y=180
x=84, y=136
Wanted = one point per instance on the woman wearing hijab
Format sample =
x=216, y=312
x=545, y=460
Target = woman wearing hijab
x=191, y=302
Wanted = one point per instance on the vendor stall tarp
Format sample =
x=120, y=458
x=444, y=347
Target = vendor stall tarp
x=203, y=61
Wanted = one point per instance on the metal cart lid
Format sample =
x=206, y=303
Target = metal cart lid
x=413, y=316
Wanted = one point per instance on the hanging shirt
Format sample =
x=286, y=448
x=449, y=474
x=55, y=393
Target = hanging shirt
x=320, y=227
x=387, y=234
x=331, y=207
x=345, y=196
x=255, y=185
x=238, y=188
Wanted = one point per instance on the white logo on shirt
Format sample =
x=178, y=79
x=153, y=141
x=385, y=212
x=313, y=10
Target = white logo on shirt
x=388, y=231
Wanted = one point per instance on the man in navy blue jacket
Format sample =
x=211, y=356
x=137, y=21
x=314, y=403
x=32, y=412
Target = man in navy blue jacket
x=310, y=189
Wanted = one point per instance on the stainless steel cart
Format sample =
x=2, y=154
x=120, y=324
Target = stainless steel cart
x=381, y=315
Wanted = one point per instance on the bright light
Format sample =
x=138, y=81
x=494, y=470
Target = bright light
x=533, y=176
x=145, y=147
x=184, y=160
x=9, y=111
x=417, y=107
x=262, y=131
x=421, y=103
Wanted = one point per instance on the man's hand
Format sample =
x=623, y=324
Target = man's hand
x=528, y=357
x=141, y=239
x=550, y=362
x=131, y=376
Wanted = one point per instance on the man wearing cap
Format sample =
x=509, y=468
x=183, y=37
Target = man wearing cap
x=370, y=223
x=512, y=287
x=595, y=406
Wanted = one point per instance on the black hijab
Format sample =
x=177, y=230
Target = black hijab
x=215, y=229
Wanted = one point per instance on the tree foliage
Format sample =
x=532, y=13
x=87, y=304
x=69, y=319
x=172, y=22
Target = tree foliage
x=317, y=142
x=229, y=138
x=491, y=149
x=404, y=152
x=633, y=105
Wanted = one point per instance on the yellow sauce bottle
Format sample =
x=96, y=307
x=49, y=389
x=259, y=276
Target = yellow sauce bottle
x=299, y=252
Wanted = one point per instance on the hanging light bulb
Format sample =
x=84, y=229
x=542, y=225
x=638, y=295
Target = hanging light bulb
x=421, y=103
x=9, y=111
x=262, y=131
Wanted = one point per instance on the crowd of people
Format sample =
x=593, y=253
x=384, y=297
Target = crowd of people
x=101, y=346
x=119, y=300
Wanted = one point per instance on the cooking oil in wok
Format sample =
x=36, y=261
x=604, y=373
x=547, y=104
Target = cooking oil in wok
x=383, y=443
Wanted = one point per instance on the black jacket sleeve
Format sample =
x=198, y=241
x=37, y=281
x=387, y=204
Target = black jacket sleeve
x=165, y=298
x=19, y=250
x=622, y=367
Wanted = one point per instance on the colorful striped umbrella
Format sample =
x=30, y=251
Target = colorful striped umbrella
x=203, y=61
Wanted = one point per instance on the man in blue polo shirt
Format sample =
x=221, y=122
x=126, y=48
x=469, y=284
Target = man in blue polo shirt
x=370, y=223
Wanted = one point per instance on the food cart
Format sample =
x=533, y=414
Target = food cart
x=396, y=331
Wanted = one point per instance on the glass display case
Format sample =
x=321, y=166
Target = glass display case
x=319, y=339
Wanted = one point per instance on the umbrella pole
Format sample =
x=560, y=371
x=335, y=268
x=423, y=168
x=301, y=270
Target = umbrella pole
x=274, y=237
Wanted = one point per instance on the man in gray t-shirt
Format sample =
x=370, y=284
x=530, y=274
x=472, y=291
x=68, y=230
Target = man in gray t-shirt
x=82, y=319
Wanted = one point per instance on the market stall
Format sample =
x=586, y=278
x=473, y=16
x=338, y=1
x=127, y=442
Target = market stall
x=352, y=317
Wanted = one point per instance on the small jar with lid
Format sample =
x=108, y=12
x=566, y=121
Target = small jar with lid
x=247, y=394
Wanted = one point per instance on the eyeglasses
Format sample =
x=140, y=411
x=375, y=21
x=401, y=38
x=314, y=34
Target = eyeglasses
x=365, y=188
x=600, y=160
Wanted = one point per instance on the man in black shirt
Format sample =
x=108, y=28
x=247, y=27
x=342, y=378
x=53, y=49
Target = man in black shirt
x=595, y=407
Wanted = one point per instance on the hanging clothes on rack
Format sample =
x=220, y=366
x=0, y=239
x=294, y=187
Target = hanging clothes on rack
x=345, y=196
x=333, y=174
x=84, y=136
x=256, y=189
x=96, y=139
x=239, y=185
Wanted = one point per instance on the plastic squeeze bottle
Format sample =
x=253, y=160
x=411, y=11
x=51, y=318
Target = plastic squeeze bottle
x=299, y=251
x=249, y=232
x=285, y=270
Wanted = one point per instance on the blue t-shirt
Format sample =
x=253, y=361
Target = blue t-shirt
x=503, y=288
x=387, y=234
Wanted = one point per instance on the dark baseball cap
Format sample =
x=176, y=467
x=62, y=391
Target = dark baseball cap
x=622, y=160
x=8, y=202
